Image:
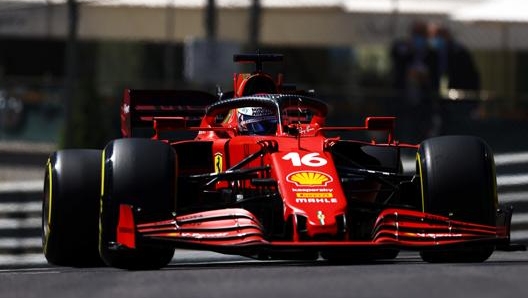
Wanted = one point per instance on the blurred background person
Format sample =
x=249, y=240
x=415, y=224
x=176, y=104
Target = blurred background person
x=456, y=71
x=415, y=80
x=455, y=63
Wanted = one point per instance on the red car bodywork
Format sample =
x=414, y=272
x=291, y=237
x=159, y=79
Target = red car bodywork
x=293, y=166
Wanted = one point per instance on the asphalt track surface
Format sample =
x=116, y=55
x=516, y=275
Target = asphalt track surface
x=202, y=274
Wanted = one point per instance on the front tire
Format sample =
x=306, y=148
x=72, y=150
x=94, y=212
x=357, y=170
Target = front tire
x=140, y=173
x=70, y=208
x=458, y=180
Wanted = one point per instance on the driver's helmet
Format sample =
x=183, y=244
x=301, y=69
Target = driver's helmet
x=256, y=121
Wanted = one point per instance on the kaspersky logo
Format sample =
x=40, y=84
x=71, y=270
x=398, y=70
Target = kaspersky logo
x=309, y=178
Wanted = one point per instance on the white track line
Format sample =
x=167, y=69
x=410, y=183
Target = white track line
x=12, y=243
x=513, y=197
x=9, y=260
x=519, y=218
x=22, y=186
x=512, y=180
x=26, y=207
x=511, y=158
x=21, y=223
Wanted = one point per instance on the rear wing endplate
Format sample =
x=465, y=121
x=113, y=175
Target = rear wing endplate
x=140, y=107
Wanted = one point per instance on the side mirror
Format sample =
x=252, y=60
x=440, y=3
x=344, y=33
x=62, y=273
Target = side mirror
x=380, y=123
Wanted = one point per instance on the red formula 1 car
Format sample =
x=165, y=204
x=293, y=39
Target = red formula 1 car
x=255, y=172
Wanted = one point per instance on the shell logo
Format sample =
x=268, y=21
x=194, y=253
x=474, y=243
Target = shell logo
x=309, y=178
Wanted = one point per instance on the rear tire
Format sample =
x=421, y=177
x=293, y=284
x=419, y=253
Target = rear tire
x=141, y=173
x=70, y=208
x=457, y=175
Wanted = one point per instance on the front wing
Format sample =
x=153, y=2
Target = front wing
x=237, y=231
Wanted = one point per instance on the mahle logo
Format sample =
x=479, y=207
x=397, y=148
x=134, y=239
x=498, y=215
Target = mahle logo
x=309, y=178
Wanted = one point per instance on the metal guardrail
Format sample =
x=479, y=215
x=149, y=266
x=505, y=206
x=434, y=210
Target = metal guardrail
x=20, y=210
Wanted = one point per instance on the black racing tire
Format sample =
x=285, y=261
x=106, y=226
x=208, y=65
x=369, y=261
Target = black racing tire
x=140, y=173
x=458, y=180
x=70, y=208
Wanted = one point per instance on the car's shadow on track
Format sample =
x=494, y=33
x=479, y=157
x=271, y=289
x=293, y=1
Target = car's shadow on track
x=234, y=262
x=278, y=263
x=519, y=259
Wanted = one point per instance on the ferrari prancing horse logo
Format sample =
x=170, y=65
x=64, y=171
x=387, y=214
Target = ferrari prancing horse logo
x=218, y=162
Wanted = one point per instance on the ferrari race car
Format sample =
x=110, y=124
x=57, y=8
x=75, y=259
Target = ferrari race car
x=255, y=172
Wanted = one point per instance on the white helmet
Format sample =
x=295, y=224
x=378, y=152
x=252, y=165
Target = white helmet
x=256, y=121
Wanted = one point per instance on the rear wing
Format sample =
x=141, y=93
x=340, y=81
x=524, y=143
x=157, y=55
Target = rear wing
x=140, y=107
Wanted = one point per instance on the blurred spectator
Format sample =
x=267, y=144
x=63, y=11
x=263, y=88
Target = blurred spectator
x=415, y=64
x=415, y=79
x=455, y=61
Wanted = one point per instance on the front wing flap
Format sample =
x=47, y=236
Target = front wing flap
x=237, y=231
x=219, y=227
